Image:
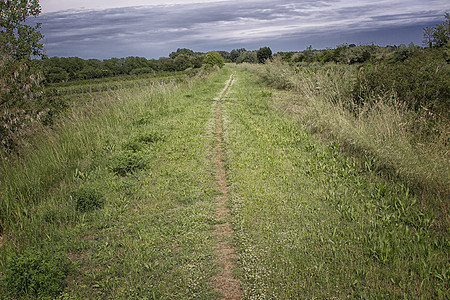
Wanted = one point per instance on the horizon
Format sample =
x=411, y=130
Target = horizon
x=107, y=29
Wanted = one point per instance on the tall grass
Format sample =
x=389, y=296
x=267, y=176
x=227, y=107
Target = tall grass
x=381, y=131
x=49, y=159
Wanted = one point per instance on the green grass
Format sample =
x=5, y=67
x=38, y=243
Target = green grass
x=122, y=193
x=310, y=224
x=383, y=130
x=127, y=230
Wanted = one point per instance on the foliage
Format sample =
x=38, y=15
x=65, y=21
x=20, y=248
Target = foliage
x=213, y=58
x=332, y=227
x=235, y=53
x=438, y=35
x=22, y=97
x=132, y=248
x=19, y=41
x=263, y=54
x=409, y=141
x=35, y=274
x=127, y=162
x=247, y=57
x=419, y=79
x=87, y=198
x=61, y=69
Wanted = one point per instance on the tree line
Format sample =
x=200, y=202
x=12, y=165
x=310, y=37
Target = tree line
x=60, y=69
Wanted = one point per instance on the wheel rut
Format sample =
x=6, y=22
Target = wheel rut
x=224, y=282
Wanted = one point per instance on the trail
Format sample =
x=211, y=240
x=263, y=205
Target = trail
x=225, y=283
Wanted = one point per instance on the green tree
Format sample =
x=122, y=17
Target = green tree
x=439, y=35
x=263, y=54
x=213, y=58
x=235, y=53
x=428, y=36
x=183, y=51
x=21, y=90
x=182, y=62
x=248, y=57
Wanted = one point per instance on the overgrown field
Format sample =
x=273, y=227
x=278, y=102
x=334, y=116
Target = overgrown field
x=118, y=198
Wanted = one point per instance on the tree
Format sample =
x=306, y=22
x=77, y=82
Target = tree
x=182, y=62
x=248, y=57
x=263, y=54
x=428, y=36
x=213, y=58
x=18, y=44
x=235, y=53
x=183, y=51
x=21, y=90
x=439, y=35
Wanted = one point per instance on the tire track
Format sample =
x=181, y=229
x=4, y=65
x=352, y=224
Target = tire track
x=224, y=282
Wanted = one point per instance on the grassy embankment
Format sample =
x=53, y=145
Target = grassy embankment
x=310, y=223
x=118, y=200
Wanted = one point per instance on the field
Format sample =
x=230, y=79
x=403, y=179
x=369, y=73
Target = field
x=219, y=185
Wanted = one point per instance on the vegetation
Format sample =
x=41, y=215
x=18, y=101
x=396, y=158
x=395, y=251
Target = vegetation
x=36, y=274
x=335, y=161
x=214, y=59
x=309, y=222
x=438, y=35
x=263, y=54
x=327, y=229
x=22, y=98
x=64, y=195
x=61, y=69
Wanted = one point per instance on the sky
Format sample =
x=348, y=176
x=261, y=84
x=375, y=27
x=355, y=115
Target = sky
x=153, y=28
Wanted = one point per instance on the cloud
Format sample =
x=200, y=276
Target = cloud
x=154, y=31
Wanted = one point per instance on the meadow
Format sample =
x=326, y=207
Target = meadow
x=118, y=198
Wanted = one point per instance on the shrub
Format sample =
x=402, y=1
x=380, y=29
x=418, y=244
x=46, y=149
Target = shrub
x=35, y=274
x=213, y=58
x=127, y=162
x=422, y=80
x=87, y=199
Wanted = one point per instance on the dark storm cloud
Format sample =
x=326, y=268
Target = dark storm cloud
x=155, y=31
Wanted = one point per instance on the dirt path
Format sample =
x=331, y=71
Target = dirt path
x=225, y=283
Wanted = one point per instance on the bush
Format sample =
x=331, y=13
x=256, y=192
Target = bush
x=213, y=58
x=127, y=162
x=422, y=80
x=35, y=274
x=87, y=199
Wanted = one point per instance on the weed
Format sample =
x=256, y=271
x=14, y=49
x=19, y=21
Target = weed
x=127, y=162
x=150, y=137
x=87, y=198
x=34, y=273
x=133, y=145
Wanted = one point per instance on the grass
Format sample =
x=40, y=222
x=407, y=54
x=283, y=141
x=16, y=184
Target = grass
x=146, y=232
x=122, y=192
x=381, y=132
x=311, y=224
